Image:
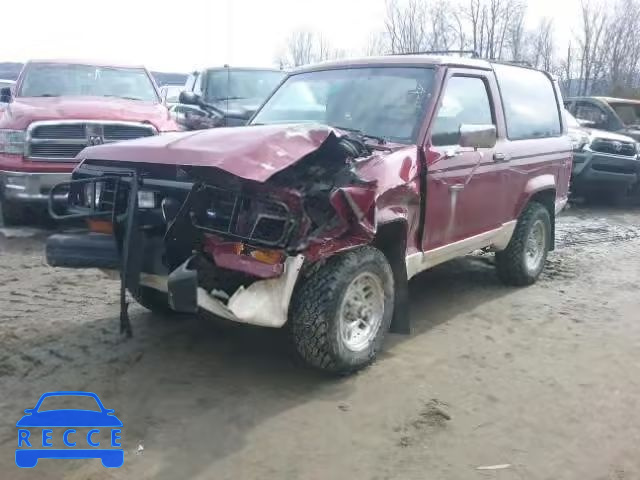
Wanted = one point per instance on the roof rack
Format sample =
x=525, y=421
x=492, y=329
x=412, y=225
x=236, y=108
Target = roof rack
x=473, y=53
x=514, y=62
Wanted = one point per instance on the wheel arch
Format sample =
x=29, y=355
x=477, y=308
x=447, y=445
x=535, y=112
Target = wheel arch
x=541, y=189
x=391, y=239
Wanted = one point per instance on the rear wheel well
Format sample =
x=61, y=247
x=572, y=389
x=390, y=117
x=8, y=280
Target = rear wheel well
x=547, y=198
x=391, y=240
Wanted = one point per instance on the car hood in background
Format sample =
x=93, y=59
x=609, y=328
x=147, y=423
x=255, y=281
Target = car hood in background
x=24, y=110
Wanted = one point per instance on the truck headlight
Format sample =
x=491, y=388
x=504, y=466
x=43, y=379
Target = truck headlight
x=578, y=140
x=12, y=141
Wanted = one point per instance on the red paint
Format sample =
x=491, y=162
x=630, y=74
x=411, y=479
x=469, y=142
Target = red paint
x=254, y=153
x=225, y=255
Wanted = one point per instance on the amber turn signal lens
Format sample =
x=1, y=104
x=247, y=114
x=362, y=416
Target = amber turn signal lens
x=270, y=257
x=100, y=226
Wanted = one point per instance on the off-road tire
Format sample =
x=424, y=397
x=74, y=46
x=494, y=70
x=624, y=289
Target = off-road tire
x=315, y=309
x=511, y=262
x=154, y=301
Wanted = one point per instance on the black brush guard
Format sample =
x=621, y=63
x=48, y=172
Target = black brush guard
x=129, y=271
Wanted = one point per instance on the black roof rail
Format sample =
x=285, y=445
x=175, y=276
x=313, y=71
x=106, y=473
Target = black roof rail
x=514, y=62
x=473, y=53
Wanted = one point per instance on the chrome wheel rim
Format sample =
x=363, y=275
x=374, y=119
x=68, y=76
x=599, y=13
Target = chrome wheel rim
x=361, y=311
x=535, y=246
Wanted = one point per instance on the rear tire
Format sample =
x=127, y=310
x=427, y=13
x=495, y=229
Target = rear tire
x=523, y=260
x=339, y=315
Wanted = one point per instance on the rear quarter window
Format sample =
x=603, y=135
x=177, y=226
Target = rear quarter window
x=530, y=104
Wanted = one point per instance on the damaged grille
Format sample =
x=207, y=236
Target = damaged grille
x=238, y=215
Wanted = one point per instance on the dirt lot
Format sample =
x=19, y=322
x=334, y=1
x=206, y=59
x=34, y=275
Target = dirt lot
x=545, y=380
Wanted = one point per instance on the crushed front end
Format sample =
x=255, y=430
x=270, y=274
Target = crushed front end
x=212, y=240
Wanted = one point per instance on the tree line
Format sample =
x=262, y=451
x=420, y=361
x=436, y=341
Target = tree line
x=602, y=56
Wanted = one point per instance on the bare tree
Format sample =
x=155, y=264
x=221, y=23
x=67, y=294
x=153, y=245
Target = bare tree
x=299, y=49
x=304, y=47
x=377, y=44
x=594, y=19
x=406, y=24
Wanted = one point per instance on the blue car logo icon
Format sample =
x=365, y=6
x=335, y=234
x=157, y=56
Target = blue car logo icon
x=32, y=447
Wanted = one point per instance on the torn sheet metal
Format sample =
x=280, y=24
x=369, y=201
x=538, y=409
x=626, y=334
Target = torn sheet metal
x=253, y=153
x=264, y=303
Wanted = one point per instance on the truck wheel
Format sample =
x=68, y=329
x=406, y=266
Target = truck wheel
x=524, y=258
x=154, y=300
x=340, y=314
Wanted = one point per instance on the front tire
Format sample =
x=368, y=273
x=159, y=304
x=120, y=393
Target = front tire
x=340, y=315
x=523, y=260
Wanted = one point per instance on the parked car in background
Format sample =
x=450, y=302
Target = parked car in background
x=56, y=109
x=170, y=94
x=224, y=96
x=606, y=165
x=616, y=115
x=352, y=178
x=4, y=99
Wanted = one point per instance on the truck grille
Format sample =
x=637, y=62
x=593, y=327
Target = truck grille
x=614, y=147
x=51, y=141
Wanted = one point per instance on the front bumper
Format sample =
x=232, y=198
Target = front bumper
x=264, y=302
x=29, y=187
x=594, y=169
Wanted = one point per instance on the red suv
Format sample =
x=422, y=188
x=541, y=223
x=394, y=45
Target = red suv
x=353, y=177
x=57, y=108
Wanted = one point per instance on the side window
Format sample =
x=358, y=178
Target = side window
x=465, y=101
x=530, y=105
x=591, y=113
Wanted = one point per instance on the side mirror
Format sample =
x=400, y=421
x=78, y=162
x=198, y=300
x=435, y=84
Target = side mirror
x=478, y=136
x=586, y=123
x=28, y=411
x=189, y=98
x=5, y=94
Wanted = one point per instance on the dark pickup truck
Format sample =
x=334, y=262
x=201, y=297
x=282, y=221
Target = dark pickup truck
x=352, y=178
x=223, y=97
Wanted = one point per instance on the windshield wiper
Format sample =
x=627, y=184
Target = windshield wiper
x=126, y=98
x=222, y=99
x=380, y=140
x=49, y=95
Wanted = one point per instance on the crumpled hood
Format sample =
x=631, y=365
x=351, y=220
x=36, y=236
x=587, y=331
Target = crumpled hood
x=252, y=152
x=24, y=110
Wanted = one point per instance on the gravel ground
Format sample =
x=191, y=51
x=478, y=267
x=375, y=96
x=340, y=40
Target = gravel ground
x=543, y=382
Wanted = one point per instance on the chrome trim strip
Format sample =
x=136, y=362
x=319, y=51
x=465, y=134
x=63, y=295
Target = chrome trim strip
x=497, y=240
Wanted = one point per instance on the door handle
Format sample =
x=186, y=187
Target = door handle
x=500, y=157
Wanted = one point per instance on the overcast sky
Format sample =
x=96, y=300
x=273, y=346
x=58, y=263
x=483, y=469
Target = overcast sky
x=182, y=36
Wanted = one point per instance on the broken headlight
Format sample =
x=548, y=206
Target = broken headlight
x=241, y=216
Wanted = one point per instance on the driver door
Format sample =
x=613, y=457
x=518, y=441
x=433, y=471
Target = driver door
x=465, y=187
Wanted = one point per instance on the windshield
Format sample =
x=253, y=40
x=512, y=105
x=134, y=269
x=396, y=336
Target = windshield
x=629, y=113
x=386, y=102
x=571, y=120
x=240, y=84
x=173, y=93
x=54, y=80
